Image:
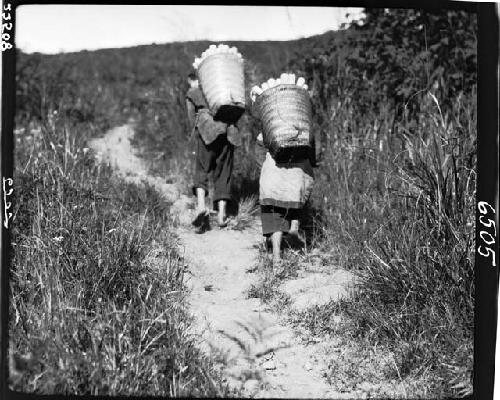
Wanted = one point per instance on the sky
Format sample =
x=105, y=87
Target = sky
x=55, y=28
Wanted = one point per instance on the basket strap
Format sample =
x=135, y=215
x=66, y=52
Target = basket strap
x=192, y=134
x=299, y=131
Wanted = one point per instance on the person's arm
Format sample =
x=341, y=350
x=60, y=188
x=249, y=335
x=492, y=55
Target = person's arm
x=260, y=150
x=191, y=114
x=315, y=149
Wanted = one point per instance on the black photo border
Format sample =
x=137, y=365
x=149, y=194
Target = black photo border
x=486, y=275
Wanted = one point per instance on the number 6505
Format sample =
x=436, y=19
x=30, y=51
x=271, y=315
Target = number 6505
x=486, y=237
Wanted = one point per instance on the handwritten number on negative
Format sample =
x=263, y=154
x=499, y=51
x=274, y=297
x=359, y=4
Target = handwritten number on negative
x=487, y=238
x=6, y=26
x=7, y=189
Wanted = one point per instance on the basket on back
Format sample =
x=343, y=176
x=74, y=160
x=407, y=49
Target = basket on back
x=285, y=111
x=222, y=81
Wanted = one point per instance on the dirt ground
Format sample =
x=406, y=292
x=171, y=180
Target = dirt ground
x=260, y=354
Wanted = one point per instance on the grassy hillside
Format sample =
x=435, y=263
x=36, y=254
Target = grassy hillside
x=89, y=314
x=394, y=198
x=148, y=83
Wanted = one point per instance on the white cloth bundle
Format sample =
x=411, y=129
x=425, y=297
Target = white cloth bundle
x=285, y=185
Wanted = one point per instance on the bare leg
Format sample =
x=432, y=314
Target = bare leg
x=296, y=239
x=222, y=212
x=294, y=227
x=201, y=220
x=267, y=243
x=200, y=195
x=276, y=239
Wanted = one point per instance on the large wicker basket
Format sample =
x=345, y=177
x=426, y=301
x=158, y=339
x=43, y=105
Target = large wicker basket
x=285, y=111
x=223, y=84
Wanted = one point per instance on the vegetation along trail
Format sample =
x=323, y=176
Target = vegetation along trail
x=107, y=274
x=259, y=355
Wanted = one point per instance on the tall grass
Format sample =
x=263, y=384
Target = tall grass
x=398, y=204
x=393, y=202
x=96, y=285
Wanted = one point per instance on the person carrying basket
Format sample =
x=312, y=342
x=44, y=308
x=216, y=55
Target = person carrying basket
x=215, y=103
x=292, y=151
x=214, y=150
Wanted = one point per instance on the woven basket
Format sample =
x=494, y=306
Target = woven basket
x=223, y=84
x=285, y=111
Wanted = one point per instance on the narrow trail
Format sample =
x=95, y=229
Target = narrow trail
x=263, y=356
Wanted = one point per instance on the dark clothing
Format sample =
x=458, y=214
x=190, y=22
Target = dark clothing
x=275, y=219
x=314, y=151
x=214, y=143
x=202, y=121
x=217, y=157
x=196, y=97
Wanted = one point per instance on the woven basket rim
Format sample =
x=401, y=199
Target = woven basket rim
x=277, y=88
x=211, y=56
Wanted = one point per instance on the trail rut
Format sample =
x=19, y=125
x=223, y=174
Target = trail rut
x=263, y=357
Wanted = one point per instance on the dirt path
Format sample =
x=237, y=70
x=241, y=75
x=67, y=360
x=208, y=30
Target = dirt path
x=115, y=149
x=263, y=357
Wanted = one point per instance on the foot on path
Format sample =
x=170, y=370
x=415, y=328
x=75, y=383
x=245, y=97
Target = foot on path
x=263, y=356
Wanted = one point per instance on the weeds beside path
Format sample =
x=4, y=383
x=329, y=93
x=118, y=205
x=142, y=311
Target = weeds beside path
x=115, y=148
x=300, y=347
x=262, y=356
x=97, y=299
x=256, y=352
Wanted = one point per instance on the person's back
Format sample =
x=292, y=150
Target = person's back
x=215, y=143
x=284, y=188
